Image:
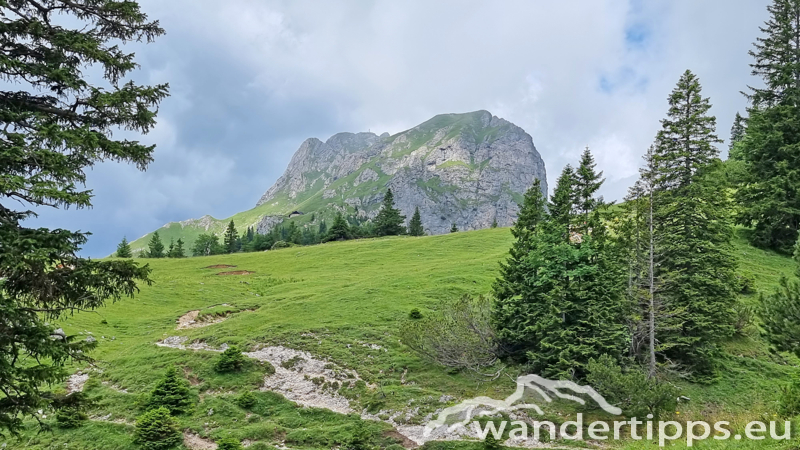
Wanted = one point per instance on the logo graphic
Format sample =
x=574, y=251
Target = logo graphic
x=487, y=406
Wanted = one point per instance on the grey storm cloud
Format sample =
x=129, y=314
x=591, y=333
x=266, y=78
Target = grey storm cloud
x=250, y=80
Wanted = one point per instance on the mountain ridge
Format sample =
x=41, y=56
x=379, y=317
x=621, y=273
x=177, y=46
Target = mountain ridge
x=470, y=169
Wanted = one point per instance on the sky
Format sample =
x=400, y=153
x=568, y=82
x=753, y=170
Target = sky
x=251, y=79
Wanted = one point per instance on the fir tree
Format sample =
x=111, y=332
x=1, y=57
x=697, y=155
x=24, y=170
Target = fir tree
x=737, y=132
x=340, y=230
x=176, y=249
x=124, y=249
x=415, y=226
x=323, y=228
x=155, y=248
x=68, y=84
x=389, y=221
x=494, y=222
x=770, y=194
x=693, y=233
x=231, y=240
x=587, y=182
x=171, y=392
x=780, y=312
x=513, y=272
x=171, y=248
x=454, y=228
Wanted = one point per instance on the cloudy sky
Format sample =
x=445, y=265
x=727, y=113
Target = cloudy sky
x=251, y=79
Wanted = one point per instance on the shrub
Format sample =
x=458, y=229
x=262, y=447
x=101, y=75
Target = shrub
x=745, y=318
x=395, y=447
x=280, y=244
x=157, y=430
x=231, y=360
x=171, y=392
x=490, y=443
x=415, y=314
x=746, y=283
x=246, y=400
x=631, y=390
x=229, y=444
x=70, y=418
x=790, y=399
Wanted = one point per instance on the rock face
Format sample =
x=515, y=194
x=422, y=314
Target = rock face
x=468, y=169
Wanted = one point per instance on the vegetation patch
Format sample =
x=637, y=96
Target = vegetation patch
x=236, y=272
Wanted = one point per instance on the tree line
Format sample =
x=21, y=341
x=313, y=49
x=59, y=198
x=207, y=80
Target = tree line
x=388, y=222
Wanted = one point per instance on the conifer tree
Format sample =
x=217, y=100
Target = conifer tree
x=68, y=82
x=770, y=195
x=231, y=240
x=389, y=221
x=494, y=222
x=780, y=312
x=155, y=248
x=171, y=248
x=323, y=228
x=453, y=228
x=532, y=213
x=171, y=392
x=587, y=182
x=415, y=226
x=693, y=232
x=340, y=230
x=176, y=250
x=124, y=249
x=737, y=132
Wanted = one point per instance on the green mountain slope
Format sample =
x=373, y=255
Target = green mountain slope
x=343, y=301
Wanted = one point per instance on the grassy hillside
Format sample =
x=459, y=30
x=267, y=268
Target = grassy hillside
x=343, y=301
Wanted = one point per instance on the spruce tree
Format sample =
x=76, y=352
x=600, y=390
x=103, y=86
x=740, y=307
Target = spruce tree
x=124, y=249
x=587, y=182
x=176, y=250
x=323, y=228
x=415, y=226
x=339, y=231
x=155, y=248
x=171, y=392
x=738, y=130
x=770, y=195
x=780, y=312
x=693, y=232
x=171, y=248
x=231, y=238
x=389, y=221
x=494, y=223
x=453, y=228
x=532, y=213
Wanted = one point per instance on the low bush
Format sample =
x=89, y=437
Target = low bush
x=229, y=444
x=631, y=390
x=280, y=244
x=790, y=399
x=246, y=400
x=231, y=360
x=70, y=418
x=157, y=430
x=415, y=314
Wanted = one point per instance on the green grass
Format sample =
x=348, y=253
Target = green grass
x=332, y=300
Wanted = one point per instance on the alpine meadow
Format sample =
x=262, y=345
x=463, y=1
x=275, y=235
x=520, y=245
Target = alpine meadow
x=426, y=288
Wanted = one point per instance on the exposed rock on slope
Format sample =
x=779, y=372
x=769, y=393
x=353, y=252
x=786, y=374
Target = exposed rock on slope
x=468, y=169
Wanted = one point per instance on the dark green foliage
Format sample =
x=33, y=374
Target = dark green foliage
x=770, y=196
x=57, y=124
x=695, y=262
x=780, y=312
x=156, y=429
x=155, y=248
x=790, y=399
x=415, y=226
x=389, y=221
x=171, y=392
x=494, y=223
x=229, y=444
x=587, y=182
x=738, y=130
x=176, y=249
x=513, y=271
x=454, y=228
x=560, y=298
x=415, y=314
x=745, y=283
x=123, y=249
x=231, y=242
x=631, y=389
x=339, y=231
x=207, y=244
x=231, y=360
x=323, y=228
x=490, y=443
x=71, y=418
x=246, y=399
